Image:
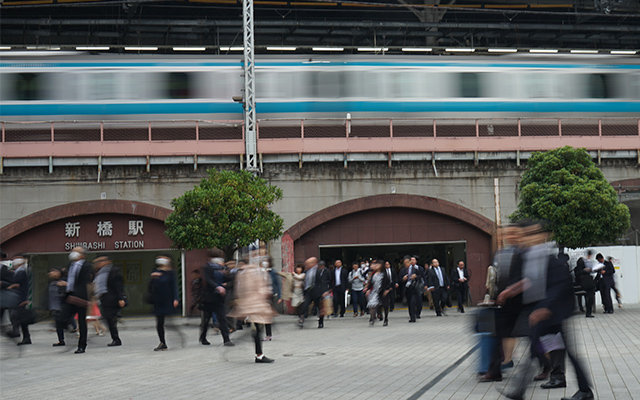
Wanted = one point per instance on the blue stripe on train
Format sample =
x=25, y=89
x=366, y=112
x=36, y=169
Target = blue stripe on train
x=335, y=63
x=304, y=107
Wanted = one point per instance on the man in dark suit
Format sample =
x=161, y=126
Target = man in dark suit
x=317, y=282
x=76, y=297
x=393, y=283
x=460, y=282
x=109, y=288
x=583, y=276
x=339, y=283
x=606, y=283
x=213, y=296
x=438, y=284
x=410, y=275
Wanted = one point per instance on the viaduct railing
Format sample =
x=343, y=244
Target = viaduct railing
x=313, y=136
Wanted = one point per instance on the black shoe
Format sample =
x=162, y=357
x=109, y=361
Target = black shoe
x=412, y=320
x=489, y=378
x=417, y=316
x=229, y=344
x=205, y=342
x=264, y=360
x=115, y=343
x=590, y=316
x=385, y=323
x=462, y=311
x=341, y=315
x=80, y=350
x=161, y=347
x=320, y=325
x=60, y=343
x=24, y=341
x=580, y=395
x=554, y=383
x=12, y=335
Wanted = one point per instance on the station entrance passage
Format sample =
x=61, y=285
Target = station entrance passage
x=447, y=253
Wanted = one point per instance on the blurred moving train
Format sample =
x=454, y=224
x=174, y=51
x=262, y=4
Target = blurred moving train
x=78, y=86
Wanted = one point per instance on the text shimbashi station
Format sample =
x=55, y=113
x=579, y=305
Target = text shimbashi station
x=132, y=239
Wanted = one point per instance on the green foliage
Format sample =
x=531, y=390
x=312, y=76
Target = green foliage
x=227, y=210
x=564, y=187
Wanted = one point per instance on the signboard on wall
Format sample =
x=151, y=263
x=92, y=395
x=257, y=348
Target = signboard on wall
x=96, y=233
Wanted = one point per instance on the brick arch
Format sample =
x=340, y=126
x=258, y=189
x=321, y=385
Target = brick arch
x=391, y=200
x=82, y=208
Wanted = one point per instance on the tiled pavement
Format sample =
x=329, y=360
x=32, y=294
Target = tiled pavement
x=431, y=359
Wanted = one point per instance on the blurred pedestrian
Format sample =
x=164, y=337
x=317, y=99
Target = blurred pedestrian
x=213, y=296
x=20, y=316
x=276, y=288
x=316, y=287
x=252, y=302
x=109, y=288
x=163, y=291
x=356, y=279
x=79, y=277
x=297, y=297
x=94, y=315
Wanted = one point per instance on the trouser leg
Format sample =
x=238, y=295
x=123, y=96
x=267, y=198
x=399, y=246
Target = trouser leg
x=581, y=375
x=589, y=300
x=267, y=328
x=222, y=322
x=557, y=365
x=257, y=338
x=204, y=324
x=160, y=328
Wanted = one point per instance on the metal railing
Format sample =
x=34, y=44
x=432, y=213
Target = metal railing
x=289, y=136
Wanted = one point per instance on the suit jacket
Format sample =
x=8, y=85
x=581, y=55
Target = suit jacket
x=394, y=277
x=321, y=284
x=21, y=278
x=609, y=270
x=559, y=292
x=115, y=289
x=455, y=277
x=212, y=278
x=583, y=277
x=433, y=281
x=344, y=277
x=83, y=279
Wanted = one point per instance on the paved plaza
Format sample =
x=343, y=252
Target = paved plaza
x=435, y=358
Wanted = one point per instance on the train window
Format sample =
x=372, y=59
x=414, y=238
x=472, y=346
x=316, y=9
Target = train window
x=274, y=85
x=178, y=85
x=600, y=86
x=469, y=84
x=102, y=86
x=537, y=85
x=327, y=84
x=406, y=84
x=27, y=86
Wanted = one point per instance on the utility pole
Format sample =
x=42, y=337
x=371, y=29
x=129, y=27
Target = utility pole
x=249, y=103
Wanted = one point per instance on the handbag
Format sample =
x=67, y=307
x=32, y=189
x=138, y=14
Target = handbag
x=76, y=301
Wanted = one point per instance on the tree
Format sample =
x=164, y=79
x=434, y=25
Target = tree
x=565, y=188
x=228, y=210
